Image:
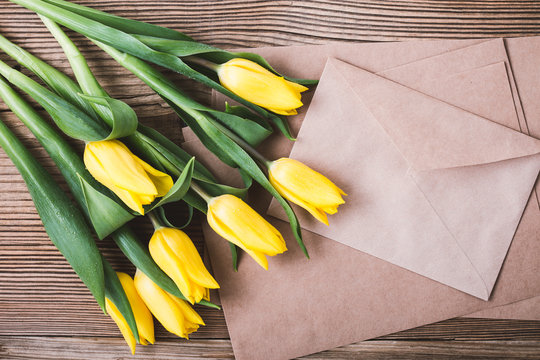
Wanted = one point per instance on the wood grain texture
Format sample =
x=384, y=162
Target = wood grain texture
x=67, y=348
x=46, y=312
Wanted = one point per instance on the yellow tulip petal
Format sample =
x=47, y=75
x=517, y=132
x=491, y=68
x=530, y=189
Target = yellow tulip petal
x=236, y=222
x=306, y=187
x=161, y=305
x=241, y=221
x=115, y=314
x=189, y=313
x=166, y=260
x=187, y=253
x=297, y=87
x=284, y=112
x=143, y=317
x=124, y=171
x=256, y=84
x=314, y=211
x=225, y=233
x=134, y=181
x=260, y=258
x=162, y=181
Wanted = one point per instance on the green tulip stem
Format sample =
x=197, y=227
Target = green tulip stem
x=244, y=145
x=203, y=62
x=154, y=220
x=200, y=191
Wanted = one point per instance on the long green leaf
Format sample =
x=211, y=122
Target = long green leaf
x=127, y=25
x=180, y=187
x=128, y=43
x=70, y=119
x=115, y=292
x=173, y=159
x=59, y=82
x=120, y=116
x=105, y=214
x=182, y=48
x=252, y=131
x=117, y=114
x=67, y=160
x=155, y=34
x=72, y=167
x=139, y=255
x=62, y=220
x=69, y=163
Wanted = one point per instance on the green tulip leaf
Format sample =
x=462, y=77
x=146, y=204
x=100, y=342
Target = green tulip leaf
x=69, y=118
x=180, y=187
x=115, y=293
x=63, y=221
x=129, y=44
x=183, y=48
x=185, y=45
x=57, y=81
x=177, y=156
x=250, y=130
x=127, y=25
x=139, y=255
x=122, y=117
x=105, y=214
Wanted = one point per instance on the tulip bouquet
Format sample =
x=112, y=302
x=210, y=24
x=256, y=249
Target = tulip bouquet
x=130, y=170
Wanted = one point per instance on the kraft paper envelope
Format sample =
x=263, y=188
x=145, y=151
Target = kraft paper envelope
x=432, y=188
x=342, y=296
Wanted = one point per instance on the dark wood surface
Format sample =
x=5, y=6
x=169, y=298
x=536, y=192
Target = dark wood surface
x=46, y=312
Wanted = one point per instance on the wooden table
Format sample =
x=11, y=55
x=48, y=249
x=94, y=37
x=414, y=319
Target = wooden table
x=46, y=312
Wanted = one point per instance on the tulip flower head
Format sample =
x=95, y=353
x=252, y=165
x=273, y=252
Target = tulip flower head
x=174, y=252
x=237, y=222
x=305, y=187
x=134, y=181
x=175, y=314
x=254, y=83
x=143, y=317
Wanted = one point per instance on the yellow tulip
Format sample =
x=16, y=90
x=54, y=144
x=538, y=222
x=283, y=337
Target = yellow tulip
x=305, y=187
x=176, y=255
x=238, y=223
x=175, y=314
x=254, y=83
x=134, y=181
x=143, y=317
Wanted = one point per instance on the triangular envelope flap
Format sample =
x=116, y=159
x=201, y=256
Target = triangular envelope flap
x=431, y=133
x=481, y=206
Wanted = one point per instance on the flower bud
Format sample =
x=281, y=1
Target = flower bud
x=237, y=222
x=175, y=314
x=174, y=252
x=254, y=83
x=305, y=187
x=134, y=181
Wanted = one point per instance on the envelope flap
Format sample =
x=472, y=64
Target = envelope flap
x=481, y=207
x=439, y=135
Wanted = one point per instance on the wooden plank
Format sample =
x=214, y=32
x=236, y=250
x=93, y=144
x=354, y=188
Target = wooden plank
x=64, y=348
